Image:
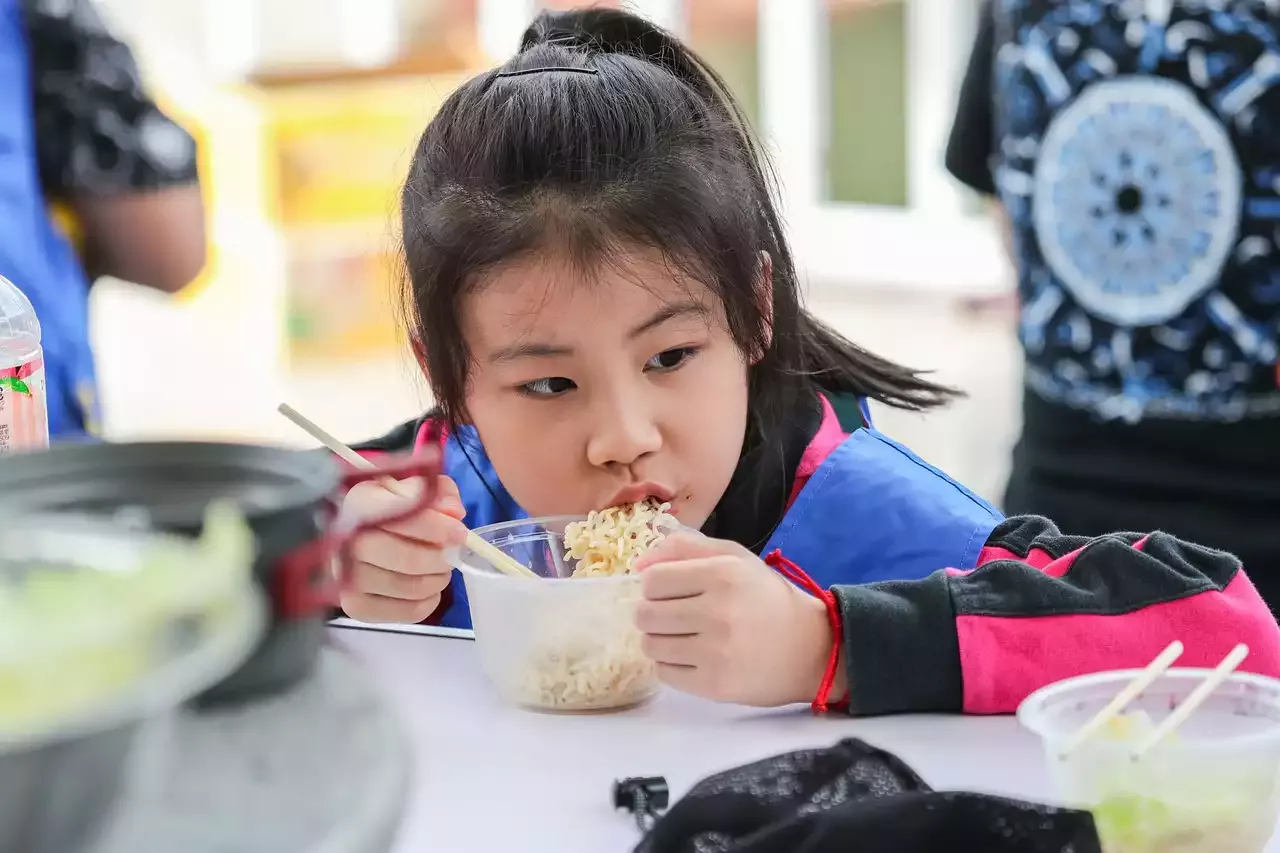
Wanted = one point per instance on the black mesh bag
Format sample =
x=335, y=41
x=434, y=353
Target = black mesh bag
x=854, y=798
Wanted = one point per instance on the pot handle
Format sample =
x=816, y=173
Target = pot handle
x=301, y=590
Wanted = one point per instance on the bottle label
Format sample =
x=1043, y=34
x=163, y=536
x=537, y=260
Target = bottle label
x=24, y=416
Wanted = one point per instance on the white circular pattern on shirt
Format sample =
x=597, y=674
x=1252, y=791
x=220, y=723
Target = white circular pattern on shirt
x=55, y=8
x=164, y=143
x=1137, y=196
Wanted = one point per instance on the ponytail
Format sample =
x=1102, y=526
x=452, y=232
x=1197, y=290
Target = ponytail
x=615, y=31
x=601, y=31
x=840, y=366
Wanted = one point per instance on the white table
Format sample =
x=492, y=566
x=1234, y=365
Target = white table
x=275, y=775
x=492, y=777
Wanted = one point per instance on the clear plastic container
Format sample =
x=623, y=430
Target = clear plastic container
x=92, y=669
x=24, y=413
x=1211, y=787
x=555, y=642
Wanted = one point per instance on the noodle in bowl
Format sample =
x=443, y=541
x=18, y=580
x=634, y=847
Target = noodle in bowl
x=588, y=665
x=565, y=641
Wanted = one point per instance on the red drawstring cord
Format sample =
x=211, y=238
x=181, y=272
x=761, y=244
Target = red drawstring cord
x=800, y=578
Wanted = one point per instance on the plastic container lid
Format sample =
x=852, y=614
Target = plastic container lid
x=166, y=485
x=1243, y=714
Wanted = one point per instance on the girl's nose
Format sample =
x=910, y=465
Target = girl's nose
x=624, y=430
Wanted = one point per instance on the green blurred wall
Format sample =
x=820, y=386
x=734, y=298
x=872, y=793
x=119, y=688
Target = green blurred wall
x=739, y=65
x=867, y=157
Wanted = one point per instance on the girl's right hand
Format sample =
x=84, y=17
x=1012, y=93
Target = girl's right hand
x=399, y=570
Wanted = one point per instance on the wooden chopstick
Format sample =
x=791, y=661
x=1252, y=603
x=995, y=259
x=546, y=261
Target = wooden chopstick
x=1194, y=700
x=499, y=559
x=1131, y=691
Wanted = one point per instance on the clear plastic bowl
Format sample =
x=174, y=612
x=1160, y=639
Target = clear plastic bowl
x=86, y=690
x=1211, y=787
x=555, y=643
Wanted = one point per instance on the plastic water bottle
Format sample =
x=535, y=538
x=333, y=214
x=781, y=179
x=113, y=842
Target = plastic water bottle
x=24, y=412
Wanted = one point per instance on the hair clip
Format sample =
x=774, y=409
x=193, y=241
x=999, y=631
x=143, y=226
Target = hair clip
x=546, y=69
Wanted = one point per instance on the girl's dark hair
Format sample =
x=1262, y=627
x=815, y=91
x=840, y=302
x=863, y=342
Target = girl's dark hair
x=602, y=134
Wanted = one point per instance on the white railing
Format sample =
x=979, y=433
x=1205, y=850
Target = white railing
x=934, y=243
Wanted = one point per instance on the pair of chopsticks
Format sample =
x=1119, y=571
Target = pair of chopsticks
x=500, y=560
x=1145, y=679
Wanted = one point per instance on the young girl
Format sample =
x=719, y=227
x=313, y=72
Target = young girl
x=602, y=297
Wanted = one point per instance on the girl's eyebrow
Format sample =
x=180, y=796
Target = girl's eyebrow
x=515, y=352
x=667, y=313
x=533, y=349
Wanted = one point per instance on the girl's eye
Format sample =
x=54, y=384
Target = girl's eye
x=671, y=359
x=552, y=386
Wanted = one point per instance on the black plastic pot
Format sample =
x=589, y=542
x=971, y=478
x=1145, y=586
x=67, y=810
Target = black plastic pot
x=288, y=497
x=54, y=798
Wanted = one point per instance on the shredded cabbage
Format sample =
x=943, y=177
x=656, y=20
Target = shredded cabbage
x=73, y=635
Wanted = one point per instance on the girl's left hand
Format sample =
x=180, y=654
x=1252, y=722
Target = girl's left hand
x=723, y=625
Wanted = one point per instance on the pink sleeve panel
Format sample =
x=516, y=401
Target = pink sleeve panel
x=1041, y=607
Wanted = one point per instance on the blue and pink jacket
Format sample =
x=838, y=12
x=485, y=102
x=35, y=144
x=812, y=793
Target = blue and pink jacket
x=947, y=606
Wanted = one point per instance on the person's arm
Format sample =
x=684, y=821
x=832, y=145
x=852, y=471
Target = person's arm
x=972, y=141
x=126, y=170
x=1041, y=607
x=970, y=145
x=155, y=238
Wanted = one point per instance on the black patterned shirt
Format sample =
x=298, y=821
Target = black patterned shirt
x=97, y=130
x=1136, y=149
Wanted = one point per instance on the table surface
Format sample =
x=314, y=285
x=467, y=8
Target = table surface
x=493, y=777
x=276, y=775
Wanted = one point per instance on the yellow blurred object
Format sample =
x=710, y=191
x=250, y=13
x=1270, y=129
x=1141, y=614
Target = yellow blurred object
x=300, y=173
x=339, y=150
x=342, y=149
x=69, y=224
x=204, y=163
x=340, y=300
x=1130, y=727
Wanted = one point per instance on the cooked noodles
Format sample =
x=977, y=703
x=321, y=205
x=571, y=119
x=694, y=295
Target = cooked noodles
x=592, y=660
x=609, y=540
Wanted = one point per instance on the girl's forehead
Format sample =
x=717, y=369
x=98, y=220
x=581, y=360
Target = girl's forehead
x=547, y=293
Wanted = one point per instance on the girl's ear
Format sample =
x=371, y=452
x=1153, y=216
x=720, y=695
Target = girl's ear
x=764, y=298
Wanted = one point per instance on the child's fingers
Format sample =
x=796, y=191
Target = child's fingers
x=395, y=553
x=380, y=610
x=372, y=500
x=375, y=580
x=686, y=679
x=683, y=546
x=685, y=578
x=671, y=651
x=431, y=528
x=674, y=617
x=366, y=501
x=448, y=498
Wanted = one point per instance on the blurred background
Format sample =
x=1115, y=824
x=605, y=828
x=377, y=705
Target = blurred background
x=307, y=110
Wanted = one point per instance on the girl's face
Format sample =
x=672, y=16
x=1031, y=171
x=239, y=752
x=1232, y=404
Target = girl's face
x=589, y=392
